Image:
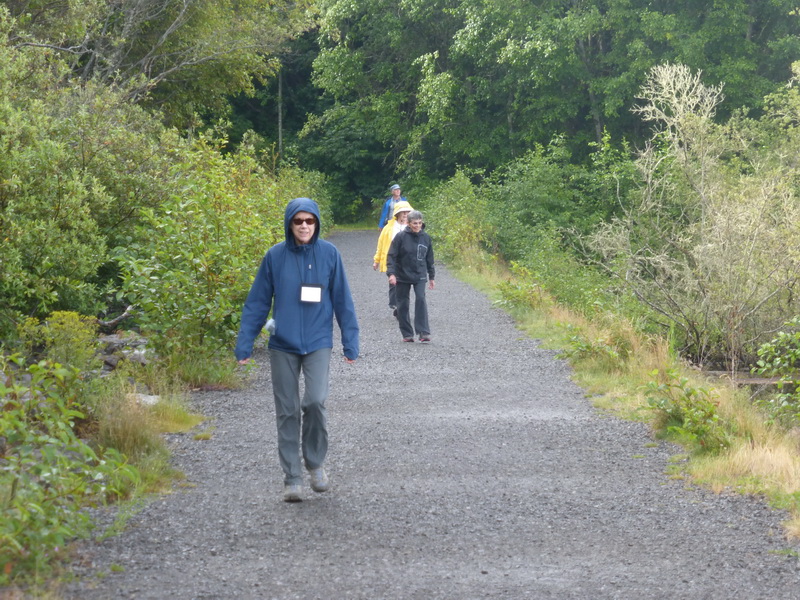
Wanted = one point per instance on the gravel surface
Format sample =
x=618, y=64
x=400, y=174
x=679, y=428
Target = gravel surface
x=470, y=467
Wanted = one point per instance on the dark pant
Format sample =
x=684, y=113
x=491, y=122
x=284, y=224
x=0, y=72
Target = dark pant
x=392, y=296
x=420, y=309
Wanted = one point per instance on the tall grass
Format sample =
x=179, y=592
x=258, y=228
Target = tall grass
x=128, y=422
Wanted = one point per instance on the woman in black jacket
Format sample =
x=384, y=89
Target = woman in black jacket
x=409, y=263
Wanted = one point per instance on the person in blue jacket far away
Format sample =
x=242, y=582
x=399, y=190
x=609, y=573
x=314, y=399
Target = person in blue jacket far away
x=387, y=214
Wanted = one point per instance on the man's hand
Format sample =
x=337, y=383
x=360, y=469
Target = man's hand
x=392, y=280
x=374, y=266
x=431, y=284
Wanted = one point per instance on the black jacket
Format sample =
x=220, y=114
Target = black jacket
x=410, y=257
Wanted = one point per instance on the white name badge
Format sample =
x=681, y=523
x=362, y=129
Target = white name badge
x=310, y=293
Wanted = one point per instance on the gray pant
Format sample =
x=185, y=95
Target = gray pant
x=420, y=309
x=290, y=412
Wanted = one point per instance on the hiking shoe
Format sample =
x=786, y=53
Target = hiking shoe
x=408, y=339
x=424, y=338
x=319, y=480
x=291, y=493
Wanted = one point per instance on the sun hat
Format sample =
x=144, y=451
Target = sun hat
x=394, y=187
x=401, y=206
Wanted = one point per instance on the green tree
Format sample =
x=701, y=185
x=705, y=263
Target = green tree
x=455, y=82
x=50, y=243
x=185, y=55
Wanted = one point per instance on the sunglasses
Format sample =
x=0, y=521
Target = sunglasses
x=307, y=221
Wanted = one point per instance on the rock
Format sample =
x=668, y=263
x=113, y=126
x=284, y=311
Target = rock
x=112, y=360
x=137, y=356
x=145, y=399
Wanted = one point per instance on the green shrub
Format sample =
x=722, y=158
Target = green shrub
x=77, y=162
x=189, y=276
x=85, y=170
x=603, y=350
x=456, y=215
x=543, y=190
x=689, y=413
x=521, y=290
x=556, y=268
x=47, y=472
x=64, y=337
x=780, y=357
x=196, y=255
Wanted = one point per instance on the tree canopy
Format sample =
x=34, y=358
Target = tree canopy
x=185, y=55
x=447, y=82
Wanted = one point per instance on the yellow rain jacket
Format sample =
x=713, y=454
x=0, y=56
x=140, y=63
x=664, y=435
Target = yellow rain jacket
x=387, y=235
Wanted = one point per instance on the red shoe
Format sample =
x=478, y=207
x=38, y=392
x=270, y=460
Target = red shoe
x=408, y=339
x=424, y=338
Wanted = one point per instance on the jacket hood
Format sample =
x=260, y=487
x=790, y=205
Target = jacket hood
x=295, y=206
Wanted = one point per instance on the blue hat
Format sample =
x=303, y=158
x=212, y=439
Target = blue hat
x=394, y=187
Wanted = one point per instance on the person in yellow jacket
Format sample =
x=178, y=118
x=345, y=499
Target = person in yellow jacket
x=391, y=229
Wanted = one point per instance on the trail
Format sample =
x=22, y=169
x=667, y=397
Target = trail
x=470, y=467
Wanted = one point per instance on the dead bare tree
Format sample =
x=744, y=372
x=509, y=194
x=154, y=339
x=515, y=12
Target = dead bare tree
x=707, y=243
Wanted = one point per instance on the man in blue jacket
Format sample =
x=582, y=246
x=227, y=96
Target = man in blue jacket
x=387, y=214
x=302, y=280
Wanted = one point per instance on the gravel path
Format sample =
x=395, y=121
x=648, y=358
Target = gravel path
x=471, y=467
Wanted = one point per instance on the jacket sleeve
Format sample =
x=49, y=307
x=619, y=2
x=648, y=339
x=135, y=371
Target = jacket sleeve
x=255, y=311
x=429, y=260
x=383, y=244
x=344, y=309
x=384, y=214
x=393, y=255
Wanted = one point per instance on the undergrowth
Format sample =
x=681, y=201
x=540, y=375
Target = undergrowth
x=72, y=437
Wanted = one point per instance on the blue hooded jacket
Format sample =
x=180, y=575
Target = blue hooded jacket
x=300, y=327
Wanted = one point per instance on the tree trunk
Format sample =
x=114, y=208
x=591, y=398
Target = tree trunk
x=280, y=112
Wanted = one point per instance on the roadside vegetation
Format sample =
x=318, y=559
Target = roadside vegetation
x=637, y=208
x=695, y=274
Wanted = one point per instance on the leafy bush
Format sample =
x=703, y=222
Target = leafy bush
x=86, y=170
x=780, y=357
x=521, y=290
x=64, y=337
x=544, y=191
x=192, y=266
x=78, y=160
x=687, y=412
x=457, y=214
x=47, y=472
x=556, y=268
x=603, y=350
x=522, y=213
x=50, y=243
